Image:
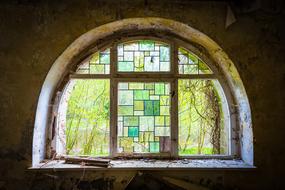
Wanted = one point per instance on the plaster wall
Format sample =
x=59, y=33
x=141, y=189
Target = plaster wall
x=34, y=33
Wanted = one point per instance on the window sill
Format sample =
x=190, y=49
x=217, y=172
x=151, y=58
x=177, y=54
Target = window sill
x=185, y=164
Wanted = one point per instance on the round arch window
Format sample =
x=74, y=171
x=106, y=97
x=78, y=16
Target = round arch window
x=144, y=97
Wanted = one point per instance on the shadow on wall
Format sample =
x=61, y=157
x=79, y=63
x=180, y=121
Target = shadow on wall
x=141, y=181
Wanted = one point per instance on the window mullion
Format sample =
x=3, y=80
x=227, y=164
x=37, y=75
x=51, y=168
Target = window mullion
x=174, y=103
x=113, y=102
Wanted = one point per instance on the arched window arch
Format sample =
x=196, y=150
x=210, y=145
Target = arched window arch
x=147, y=93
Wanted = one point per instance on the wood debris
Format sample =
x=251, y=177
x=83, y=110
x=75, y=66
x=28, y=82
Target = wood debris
x=88, y=161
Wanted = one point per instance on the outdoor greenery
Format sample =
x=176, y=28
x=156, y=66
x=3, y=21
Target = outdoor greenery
x=87, y=118
x=201, y=129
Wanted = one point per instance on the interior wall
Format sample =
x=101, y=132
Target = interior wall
x=34, y=33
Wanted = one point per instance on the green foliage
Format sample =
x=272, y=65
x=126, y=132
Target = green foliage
x=200, y=126
x=87, y=118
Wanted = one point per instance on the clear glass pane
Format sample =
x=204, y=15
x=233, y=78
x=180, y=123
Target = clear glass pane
x=99, y=63
x=188, y=63
x=143, y=117
x=203, y=117
x=87, y=117
x=143, y=56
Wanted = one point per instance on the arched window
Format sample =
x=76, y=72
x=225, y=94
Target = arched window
x=143, y=97
x=143, y=88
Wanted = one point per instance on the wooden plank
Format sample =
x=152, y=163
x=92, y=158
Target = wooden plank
x=87, y=161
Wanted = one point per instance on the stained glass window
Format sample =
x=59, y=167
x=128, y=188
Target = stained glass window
x=201, y=121
x=99, y=63
x=143, y=108
x=188, y=63
x=143, y=56
x=143, y=117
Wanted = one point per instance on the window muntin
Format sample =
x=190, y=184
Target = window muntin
x=137, y=75
x=143, y=117
x=143, y=56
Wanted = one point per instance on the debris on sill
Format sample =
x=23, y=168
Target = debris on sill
x=88, y=161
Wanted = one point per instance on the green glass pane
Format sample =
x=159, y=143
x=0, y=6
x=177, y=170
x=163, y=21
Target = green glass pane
x=162, y=131
x=164, y=110
x=156, y=110
x=97, y=69
x=146, y=123
x=203, y=68
x=146, y=45
x=136, y=85
x=141, y=94
x=159, y=88
x=164, y=66
x=183, y=51
x=138, y=105
x=125, y=110
x=104, y=58
x=126, y=143
x=125, y=97
x=167, y=120
x=154, y=147
x=192, y=59
x=133, y=132
x=159, y=120
x=164, y=100
x=148, y=107
x=128, y=56
x=131, y=121
x=123, y=86
x=164, y=53
x=149, y=86
x=190, y=69
x=125, y=131
x=125, y=66
x=95, y=58
x=183, y=59
x=151, y=107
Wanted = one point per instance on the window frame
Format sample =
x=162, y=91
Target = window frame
x=171, y=76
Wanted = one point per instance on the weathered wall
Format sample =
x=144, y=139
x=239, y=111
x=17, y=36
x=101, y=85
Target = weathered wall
x=34, y=33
